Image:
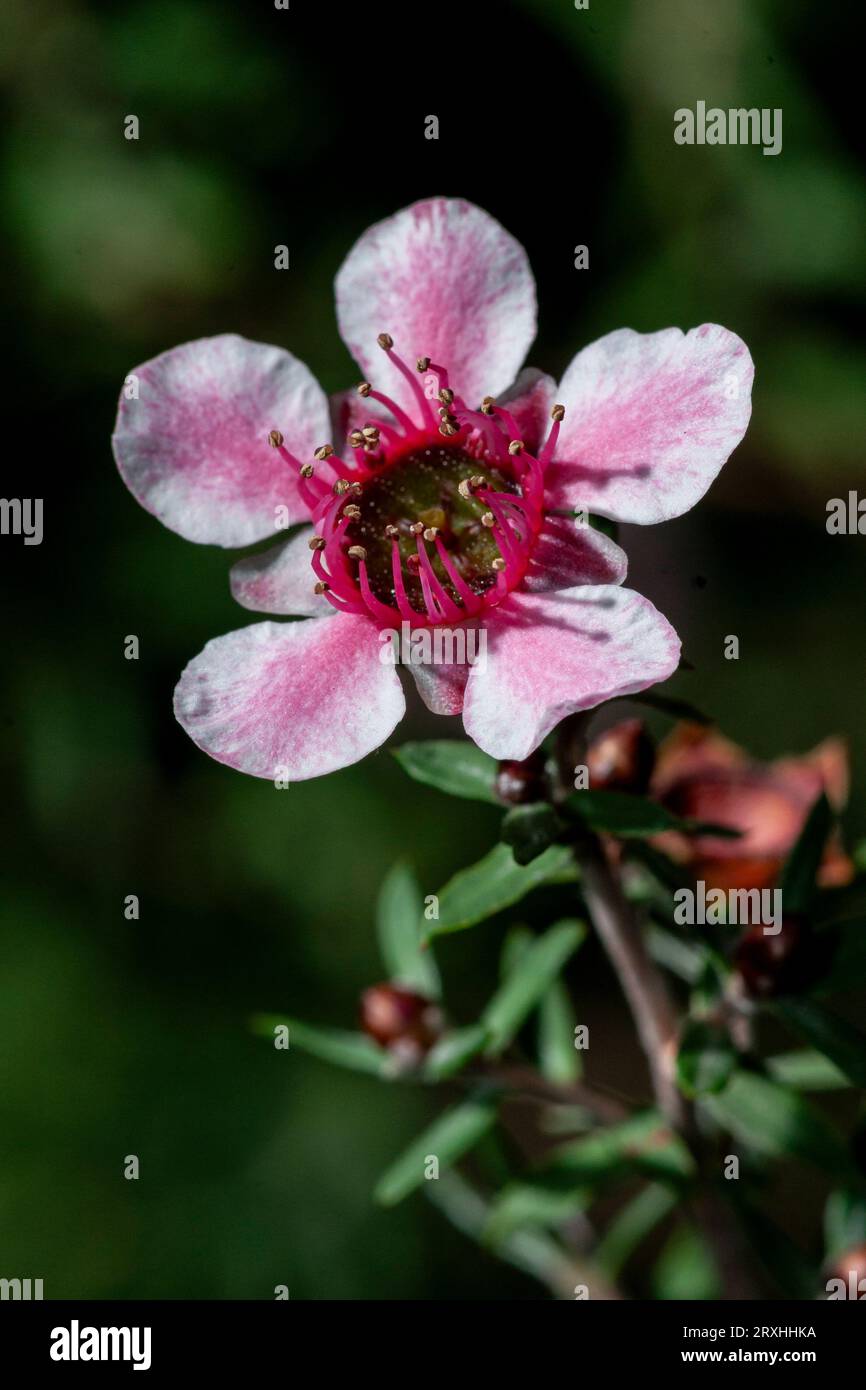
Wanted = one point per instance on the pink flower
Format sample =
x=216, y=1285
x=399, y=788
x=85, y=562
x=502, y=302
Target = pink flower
x=702, y=775
x=437, y=513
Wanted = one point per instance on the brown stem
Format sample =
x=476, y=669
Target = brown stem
x=642, y=983
x=525, y=1081
x=655, y=1014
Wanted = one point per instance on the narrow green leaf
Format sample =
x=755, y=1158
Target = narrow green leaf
x=516, y=940
x=453, y=1050
x=524, y=987
x=398, y=923
x=344, y=1049
x=806, y=1070
x=685, y=1269
x=620, y=813
x=529, y=1249
x=632, y=1225
x=778, y=1123
x=642, y=1143
x=454, y=766
x=535, y=1204
x=496, y=882
x=705, y=1060
x=800, y=872
x=530, y=830
x=840, y=1040
x=558, y=1059
x=681, y=957
x=447, y=1139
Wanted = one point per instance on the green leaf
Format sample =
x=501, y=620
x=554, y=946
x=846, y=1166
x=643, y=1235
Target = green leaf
x=517, y=939
x=620, y=813
x=705, y=1060
x=529, y=1249
x=454, y=766
x=398, y=923
x=844, y=1221
x=668, y=704
x=496, y=882
x=642, y=1143
x=530, y=830
x=447, y=1139
x=798, y=877
x=685, y=1268
x=632, y=1225
x=682, y=958
x=453, y=1050
x=524, y=987
x=806, y=1070
x=844, y=1044
x=778, y=1123
x=558, y=1059
x=534, y=1204
x=344, y=1049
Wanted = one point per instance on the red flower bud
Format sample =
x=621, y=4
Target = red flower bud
x=519, y=782
x=399, y=1019
x=621, y=759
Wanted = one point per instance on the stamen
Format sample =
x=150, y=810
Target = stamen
x=557, y=415
x=472, y=601
x=405, y=608
x=312, y=493
x=377, y=608
x=403, y=420
x=438, y=595
x=386, y=342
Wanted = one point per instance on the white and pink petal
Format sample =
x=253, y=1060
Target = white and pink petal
x=650, y=418
x=569, y=553
x=280, y=580
x=291, y=700
x=529, y=401
x=554, y=654
x=446, y=281
x=191, y=439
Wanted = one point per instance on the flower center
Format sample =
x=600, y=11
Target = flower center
x=419, y=495
x=435, y=518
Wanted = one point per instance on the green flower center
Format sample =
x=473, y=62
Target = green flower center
x=422, y=490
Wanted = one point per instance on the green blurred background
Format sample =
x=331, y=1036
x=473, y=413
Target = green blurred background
x=260, y=127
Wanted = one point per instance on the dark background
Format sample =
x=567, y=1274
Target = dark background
x=261, y=127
